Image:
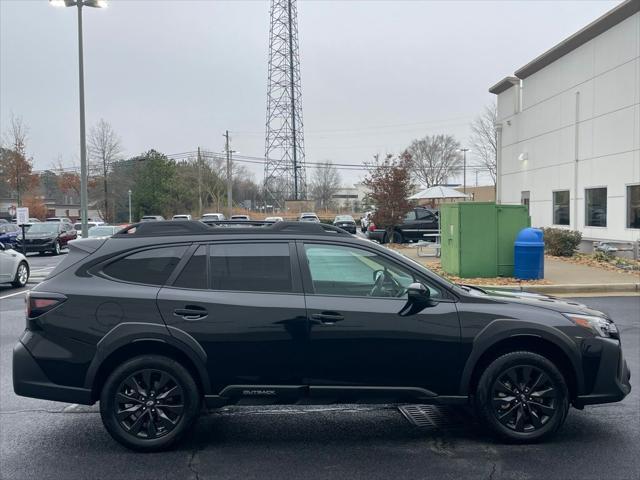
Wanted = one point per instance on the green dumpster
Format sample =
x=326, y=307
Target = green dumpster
x=477, y=238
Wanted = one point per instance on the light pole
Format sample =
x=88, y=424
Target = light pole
x=129, y=207
x=84, y=214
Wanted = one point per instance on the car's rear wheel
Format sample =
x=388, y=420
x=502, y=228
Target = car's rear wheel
x=149, y=402
x=22, y=275
x=522, y=397
x=397, y=237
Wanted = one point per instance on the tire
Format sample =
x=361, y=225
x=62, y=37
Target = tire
x=397, y=237
x=56, y=249
x=506, y=402
x=171, y=416
x=22, y=275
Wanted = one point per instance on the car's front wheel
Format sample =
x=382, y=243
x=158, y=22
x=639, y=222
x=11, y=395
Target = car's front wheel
x=56, y=248
x=149, y=402
x=522, y=397
x=22, y=275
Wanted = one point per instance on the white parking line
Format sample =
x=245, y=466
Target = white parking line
x=14, y=294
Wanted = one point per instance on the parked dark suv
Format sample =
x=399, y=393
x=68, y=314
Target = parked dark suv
x=164, y=316
x=419, y=223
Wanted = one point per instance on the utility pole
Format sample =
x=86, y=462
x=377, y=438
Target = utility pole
x=464, y=169
x=229, y=185
x=199, y=184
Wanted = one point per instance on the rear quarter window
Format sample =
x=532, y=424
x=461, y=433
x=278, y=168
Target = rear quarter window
x=150, y=267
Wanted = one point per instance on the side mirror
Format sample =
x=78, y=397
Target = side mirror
x=418, y=298
x=418, y=292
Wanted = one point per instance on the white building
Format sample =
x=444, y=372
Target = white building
x=569, y=131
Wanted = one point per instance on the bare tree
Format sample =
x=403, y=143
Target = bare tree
x=15, y=167
x=484, y=140
x=434, y=159
x=325, y=182
x=104, y=148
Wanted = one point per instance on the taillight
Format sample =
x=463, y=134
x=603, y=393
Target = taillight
x=39, y=303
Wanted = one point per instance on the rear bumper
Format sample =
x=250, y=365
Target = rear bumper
x=613, y=381
x=30, y=381
x=376, y=235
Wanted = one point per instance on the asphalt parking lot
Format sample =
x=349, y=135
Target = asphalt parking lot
x=50, y=440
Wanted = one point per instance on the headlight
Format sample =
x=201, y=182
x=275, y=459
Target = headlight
x=600, y=326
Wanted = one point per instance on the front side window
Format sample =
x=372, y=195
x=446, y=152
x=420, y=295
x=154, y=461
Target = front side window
x=561, y=207
x=595, y=207
x=410, y=216
x=633, y=206
x=151, y=267
x=341, y=270
x=251, y=267
x=425, y=215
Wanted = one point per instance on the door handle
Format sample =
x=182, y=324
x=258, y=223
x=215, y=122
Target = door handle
x=328, y=317
x=191, y=312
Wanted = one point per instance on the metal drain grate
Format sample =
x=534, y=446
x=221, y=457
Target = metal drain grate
x=433, y=417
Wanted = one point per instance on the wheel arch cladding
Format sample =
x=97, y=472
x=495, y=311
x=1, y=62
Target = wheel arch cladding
x=126, y=341
x=525, y=342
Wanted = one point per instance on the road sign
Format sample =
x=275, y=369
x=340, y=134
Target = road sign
x=23, y=215
x=12, y=210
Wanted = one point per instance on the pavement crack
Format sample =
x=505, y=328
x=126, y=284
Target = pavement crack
x=192, y=458
x=493, y=471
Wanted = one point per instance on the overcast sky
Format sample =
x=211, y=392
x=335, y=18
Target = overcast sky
x=173, y=75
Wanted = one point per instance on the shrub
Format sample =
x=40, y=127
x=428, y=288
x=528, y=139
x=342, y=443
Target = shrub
x=561, y=242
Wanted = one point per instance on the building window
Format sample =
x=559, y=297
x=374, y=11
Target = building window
x=633, y=206
x=595, y=207
x=561, y=207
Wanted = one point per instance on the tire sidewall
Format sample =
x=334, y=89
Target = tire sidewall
x=484, y=406
x=57, y=248
x=192, y=401
x=16, y=282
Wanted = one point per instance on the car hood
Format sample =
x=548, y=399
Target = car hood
x=548, y=302
x=40, y=235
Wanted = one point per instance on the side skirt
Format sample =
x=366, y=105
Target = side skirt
x=326, y=395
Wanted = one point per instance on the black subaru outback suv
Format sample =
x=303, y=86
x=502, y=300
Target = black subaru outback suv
x=164, y=316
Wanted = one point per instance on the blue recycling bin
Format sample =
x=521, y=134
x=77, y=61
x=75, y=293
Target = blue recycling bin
x=529, y=254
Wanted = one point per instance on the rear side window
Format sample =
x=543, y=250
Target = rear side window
x=151, y=267
x=251, y=267
x=194, y=274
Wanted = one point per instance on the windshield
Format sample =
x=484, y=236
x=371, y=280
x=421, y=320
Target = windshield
x=44, y=228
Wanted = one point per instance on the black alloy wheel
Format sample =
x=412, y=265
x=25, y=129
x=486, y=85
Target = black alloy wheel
x=524, y=399
x=149, y=404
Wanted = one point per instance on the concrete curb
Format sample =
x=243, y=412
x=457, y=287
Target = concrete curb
x=569, y=288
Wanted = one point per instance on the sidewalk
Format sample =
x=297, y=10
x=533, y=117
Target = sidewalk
x=559, y=277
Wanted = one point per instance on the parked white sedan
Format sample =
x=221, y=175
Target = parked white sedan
x=14, y=267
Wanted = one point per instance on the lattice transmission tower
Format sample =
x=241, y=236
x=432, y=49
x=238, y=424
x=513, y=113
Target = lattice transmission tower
x=284, y=171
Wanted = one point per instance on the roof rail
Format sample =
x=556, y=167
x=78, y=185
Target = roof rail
x=240, y=223
x=165, y=227
x=196, y=227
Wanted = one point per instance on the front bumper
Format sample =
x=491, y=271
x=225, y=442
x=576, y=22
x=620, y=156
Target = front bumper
x=30, y=381
x=613, y=379
x=38, y=247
